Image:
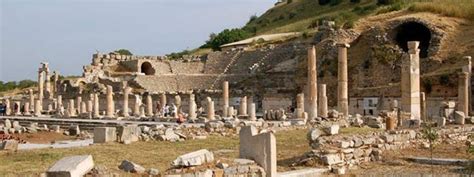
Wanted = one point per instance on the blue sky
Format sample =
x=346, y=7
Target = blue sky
x=67, y=32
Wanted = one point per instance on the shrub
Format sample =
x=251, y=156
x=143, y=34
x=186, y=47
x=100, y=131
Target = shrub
x=335, y=2
x=292, y=15
x=123, y=52
x=323, y=2
x=387, y=2
x=225, y=37
x=355, y=1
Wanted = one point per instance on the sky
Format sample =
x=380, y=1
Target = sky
x=65, y=33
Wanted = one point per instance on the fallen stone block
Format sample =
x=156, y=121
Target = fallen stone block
x=314, y=134
x=131, y=167
x=332, y=129
x=304, y=172
x=332, y=159
x=438, y=161
x=11, y=145
x=72, y=166
x=105, y=134
x=194, y=158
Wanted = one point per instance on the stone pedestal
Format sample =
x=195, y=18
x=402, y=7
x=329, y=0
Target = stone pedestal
x=83, y=108
x=225, y=97
x=27, y=109
x=322, y=101
x=342, y=81
x=463, y=93
x=90, y=105
x=110, y=113
x=410, y=83
x=243, y=106
x=149, y=105
x=312, y=84
x=17, y=111
x=210, y=109
x=126, y=92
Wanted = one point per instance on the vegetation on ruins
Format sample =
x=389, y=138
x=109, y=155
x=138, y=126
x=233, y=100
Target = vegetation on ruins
x=6, y=86
x=470, y=150
x=123, y=52
x=430, y=134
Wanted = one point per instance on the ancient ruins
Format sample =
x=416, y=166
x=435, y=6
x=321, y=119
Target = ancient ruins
x=249, y=94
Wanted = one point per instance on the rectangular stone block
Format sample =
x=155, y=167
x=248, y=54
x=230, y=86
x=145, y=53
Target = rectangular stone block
x=72, y=166
x=9, y=145
x=105, y=134
x=128, y=134
x=259, y=147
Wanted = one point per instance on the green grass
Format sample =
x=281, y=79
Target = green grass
x=152, y=154
x=450, y=8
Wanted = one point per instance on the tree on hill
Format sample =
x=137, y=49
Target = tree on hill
x=225, y=37
x=6, y=86
x=123, y=52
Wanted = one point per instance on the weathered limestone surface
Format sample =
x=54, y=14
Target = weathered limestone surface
x=149, y=105
x=72, y=166
x=11, y=145
x=342, y=78
x=194, y=158
x=126, y=92
x=37, y=108
x=210, y=109
x=105, y=134
x=410, y=84
x=259, y=147
x=96, y=105
x=322, y=101
x=136, y=107
x=312, y=84
x=252, y=110
x=32, y=99
x=299, y=111
x=128, y=134
x=192, y=106
x=463, y=93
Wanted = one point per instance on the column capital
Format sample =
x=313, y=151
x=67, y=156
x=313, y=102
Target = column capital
x=345, y=45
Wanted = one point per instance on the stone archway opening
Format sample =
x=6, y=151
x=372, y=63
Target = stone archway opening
x=147, y=68
x=413, y=31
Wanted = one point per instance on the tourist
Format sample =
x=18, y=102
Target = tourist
x=166, y=110
x=16, y=107
x=3, y=109
x=173, y=110
x=181, y=119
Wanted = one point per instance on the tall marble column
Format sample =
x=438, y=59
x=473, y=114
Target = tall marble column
x=55, y=83
x=83, y=107
x=149, y=105
x=37, y=108
x=322, y=101
x=342, y=80
x=126, y=92
x=423, y=106
x=163, y=99
x=71, y=108
x=210, y=109
x=252, y=112
x=243, y=106
x=410, y=83
x=8, y=108
x=96, y=106
x=48, y=83
x=40, y=85
x=463, y=93
x=468, y=68
x=177, y=102
x=192, y=106
x=17, y=111
x=312, y=84
x=110, y=102
x=225, y=97
x=26, y=112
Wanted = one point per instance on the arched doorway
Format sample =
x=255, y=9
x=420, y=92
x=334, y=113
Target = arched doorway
x=413, y=31
x=147, y=68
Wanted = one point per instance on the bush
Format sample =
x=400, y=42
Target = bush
x=225, y=37
x=292, y=15
x=364, y=10
x=252, y=19
x=123, y=52
x=387, y=2
x=14, y=85
x=323, y=2
x=289, y=1
x=335, y=2
x=355, y=1
x=178, y=55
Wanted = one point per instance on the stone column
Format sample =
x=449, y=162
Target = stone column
x=423, y=106
x=72, y=109
x=225, y=97
x=27, y=109
x=96, y=106
x=410, y=83
x=40, y=85
x=83, y=107
x=299, y=111
x=322, y=101
x=243, y=106
x=48, y=84
x=55, y=83
x=210, y=109
x=163, y=99
x=192, y=106
x=79, y=104
x=149, y=105
x=17, y=111
x=37, y=108
x=136, y=107
x=468, y=68
x=342, y=80
x=312, y=84
x=126, y=92
x=90, y=105
x=177, y=102
x=32, y=98
x=463, y=93
x=110, y=102
x=252, y=112
x=60, y=100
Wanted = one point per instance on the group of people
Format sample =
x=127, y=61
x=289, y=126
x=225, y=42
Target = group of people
x=3, y=109
x=171, y=110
